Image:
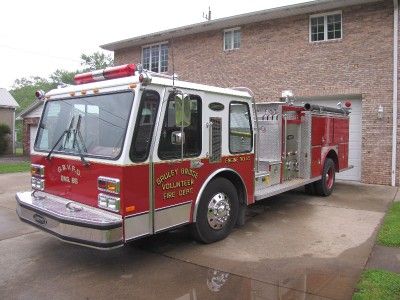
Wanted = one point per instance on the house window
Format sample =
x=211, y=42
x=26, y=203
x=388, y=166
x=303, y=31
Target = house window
x=155, y=58
x=326, y=27
x=232, y=39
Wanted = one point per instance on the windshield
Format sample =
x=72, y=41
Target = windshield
x=93, y=125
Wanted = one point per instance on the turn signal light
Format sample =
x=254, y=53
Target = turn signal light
x=37, y=170
x=107, y=184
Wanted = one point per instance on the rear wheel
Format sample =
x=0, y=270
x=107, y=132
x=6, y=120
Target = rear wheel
x=217, y=211
x=324, y=187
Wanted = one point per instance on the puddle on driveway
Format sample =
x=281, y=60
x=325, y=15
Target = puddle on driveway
x=303, y=277
x=42, y=267
x=289, y=249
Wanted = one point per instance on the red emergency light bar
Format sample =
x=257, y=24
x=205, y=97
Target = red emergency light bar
x=107, y=73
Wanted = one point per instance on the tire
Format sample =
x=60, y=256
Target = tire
x=208, y=228
x=324, y=187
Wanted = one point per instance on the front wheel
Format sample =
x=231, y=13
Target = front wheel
x=217, y=211
x=324, y=187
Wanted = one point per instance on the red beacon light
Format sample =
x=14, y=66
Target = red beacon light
x=39, y=94
x=107, y=73
x=347, y=104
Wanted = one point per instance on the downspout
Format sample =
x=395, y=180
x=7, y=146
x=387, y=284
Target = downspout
x=395, y=91
x=13, y=133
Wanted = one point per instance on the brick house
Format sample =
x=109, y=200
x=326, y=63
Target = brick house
x=8, y=105
x=324, y=51
x=30, y=120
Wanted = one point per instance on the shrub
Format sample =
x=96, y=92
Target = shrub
x=4, y=131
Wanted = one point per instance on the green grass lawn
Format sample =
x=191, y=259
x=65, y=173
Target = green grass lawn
x=378, y=284
x=24, y=166
x=389, y=234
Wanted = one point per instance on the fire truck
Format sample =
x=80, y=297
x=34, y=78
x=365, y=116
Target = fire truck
x=126, y=153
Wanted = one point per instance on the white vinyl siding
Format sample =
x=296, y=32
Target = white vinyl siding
x=32, y=136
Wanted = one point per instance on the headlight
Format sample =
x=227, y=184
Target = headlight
x=37, y=183
x=109, y=202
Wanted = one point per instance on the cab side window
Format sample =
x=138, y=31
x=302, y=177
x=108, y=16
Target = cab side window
x=240, y=131
x=144, y=127
x=192, y=133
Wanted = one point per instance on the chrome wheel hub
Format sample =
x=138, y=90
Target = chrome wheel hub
x=218, y=211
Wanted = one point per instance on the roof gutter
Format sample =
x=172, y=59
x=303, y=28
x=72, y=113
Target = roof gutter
x=395, y=88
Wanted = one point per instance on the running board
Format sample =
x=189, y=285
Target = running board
x=282, y=187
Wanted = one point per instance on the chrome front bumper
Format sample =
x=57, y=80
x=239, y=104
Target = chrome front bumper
x=71, y=221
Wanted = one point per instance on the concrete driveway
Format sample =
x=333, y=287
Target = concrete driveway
x=293, y=246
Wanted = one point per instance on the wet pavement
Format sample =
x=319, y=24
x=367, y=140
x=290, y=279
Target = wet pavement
x=385, y=258
x=293, y=246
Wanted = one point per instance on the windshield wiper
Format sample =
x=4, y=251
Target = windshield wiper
x=66, y=132
x=77, y=134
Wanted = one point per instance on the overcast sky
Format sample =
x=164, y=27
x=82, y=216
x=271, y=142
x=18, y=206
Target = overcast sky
x=38, y=37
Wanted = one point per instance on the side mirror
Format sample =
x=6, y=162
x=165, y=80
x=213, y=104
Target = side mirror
x=177, y=138
x=182, y=110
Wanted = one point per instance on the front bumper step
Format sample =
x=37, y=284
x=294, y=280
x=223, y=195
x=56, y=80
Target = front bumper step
x=71, y=221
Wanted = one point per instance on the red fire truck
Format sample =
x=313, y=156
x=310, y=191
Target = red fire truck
x=126, y=153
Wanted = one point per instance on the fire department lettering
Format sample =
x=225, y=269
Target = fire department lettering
x=177, y=184
x=236, y=159
x=179, y=187
x=69, y=168
x=165, y=176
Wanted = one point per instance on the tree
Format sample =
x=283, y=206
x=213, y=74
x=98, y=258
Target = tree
x=63, y=76
x=24, y=89
x=4, y=132
x=96, y=61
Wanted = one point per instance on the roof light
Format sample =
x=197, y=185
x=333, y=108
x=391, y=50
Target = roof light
x=144, y=79
x=107, y=73
x=120, y=71
x=39, y=94
x=347, y=104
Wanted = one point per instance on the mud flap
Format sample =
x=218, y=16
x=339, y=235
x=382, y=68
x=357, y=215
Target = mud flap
x=241, y=219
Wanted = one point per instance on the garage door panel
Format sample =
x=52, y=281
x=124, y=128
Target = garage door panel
x=349, y=174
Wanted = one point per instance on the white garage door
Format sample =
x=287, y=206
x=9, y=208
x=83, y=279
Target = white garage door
x=32, y=134
x=355, y=137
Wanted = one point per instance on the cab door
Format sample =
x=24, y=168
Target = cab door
x=178, y=155
x=137, y=175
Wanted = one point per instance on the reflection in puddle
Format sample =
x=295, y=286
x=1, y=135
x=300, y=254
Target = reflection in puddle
x=216, y=279
x=223, y=285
